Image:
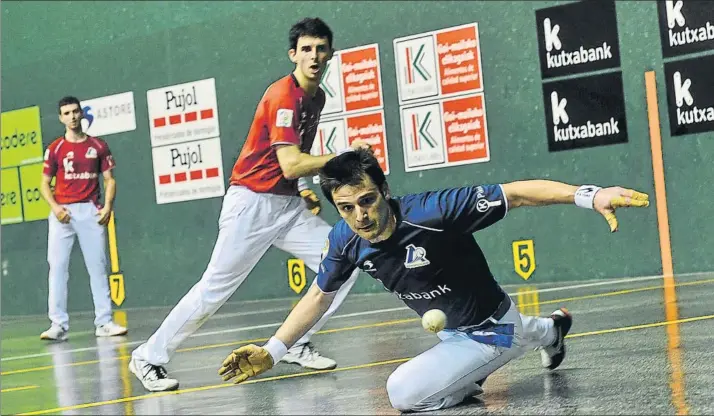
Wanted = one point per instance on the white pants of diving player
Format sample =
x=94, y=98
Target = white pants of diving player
x=93, y=242
x=446, y=374
x=249, y=224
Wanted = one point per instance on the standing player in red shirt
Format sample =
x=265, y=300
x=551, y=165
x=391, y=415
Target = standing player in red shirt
x=77, y=160
x=262, y=207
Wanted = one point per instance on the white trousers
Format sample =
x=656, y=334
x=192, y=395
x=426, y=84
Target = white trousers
x=249, y=224
x=92, y=240
x=446, y=374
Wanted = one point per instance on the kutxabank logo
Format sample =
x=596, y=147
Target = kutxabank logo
x=585, y=112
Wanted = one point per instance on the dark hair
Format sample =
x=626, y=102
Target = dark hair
x=310, y=26
x=67, y=101
x=349, y=169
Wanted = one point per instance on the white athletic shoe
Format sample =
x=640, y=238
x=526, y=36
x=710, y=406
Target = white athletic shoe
x=307, y=356
x=153, y=377
x=55, y=333
x=552, y=355
x=110, y=330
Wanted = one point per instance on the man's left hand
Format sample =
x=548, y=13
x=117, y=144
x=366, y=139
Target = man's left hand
x=104, y=214
x=311, y=200
x=608, y=199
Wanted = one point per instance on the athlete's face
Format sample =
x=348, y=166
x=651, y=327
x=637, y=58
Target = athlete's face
x=310, y=56
x=71, y=116
x=364, y=209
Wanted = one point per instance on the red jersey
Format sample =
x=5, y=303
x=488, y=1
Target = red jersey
x=77, y=167
x=285, y=115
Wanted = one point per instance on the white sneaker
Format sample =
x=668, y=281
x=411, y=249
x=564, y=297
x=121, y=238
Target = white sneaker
x=55, y=333
x=552, y=355
x=307, y=356
x=153, y=377
x=110, y=330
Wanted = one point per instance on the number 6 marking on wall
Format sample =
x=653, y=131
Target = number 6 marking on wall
x=524, y=258
x=296, y=275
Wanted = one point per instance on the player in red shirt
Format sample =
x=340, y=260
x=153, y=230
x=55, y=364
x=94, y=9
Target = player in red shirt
x=262, y=208
x=77, y=161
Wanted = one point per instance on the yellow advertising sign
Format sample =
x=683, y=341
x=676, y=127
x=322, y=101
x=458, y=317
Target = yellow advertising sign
x=11, y=200
x=34, y=206
x=296, y=275
x=21, y=137
x=524, y=258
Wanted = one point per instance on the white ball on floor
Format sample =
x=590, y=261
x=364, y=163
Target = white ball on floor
x=433, y=320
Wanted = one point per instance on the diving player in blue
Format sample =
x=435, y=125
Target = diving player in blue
x=421, y=247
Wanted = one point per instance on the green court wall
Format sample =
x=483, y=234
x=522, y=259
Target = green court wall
x=92, y=49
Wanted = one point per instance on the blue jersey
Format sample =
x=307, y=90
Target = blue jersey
x=432, y=260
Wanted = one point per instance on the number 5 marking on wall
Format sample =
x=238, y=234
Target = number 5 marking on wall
x=296, y=275
x=524, y=258
x=116, y=279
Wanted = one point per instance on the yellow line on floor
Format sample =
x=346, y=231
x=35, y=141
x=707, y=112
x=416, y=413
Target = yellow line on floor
x=617, y=293
x=212, y=387
x=203, y=347
x=11, y=389
x=352, y=328
x=643, y=326
x=354, y=367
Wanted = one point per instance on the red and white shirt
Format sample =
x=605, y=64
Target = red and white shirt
x=286, y=115
x=77, y=167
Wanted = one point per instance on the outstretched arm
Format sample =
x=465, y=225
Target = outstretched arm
x=304, y=316
x=538, y=193
x=251, y=360
x=546, y=192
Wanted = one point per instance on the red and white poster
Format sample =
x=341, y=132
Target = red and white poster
x=370, y=128
x=335, y=135
x=441, y=100
x=438, y=64
x=448, y=132
x=354, y=104
x=186, y=147
x=183, y=112
x=352, y=81
x=188, y=171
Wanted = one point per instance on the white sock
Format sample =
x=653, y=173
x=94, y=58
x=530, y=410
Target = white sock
x=552, y=333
